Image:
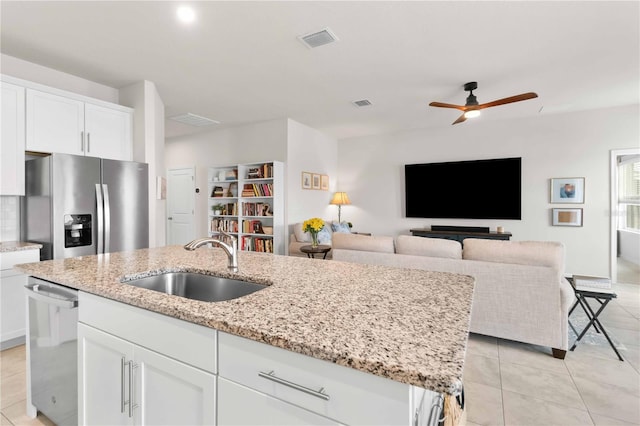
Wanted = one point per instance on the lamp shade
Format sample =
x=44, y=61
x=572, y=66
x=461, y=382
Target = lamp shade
x=340, y=199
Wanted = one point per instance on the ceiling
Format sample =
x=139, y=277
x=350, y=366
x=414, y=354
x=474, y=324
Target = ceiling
x=241, y=61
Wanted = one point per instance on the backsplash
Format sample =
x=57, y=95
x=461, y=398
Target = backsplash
x=9, y=219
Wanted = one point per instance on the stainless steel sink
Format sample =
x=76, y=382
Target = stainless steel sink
x=197, y=286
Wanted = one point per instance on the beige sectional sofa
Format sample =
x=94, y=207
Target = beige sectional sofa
x=520, y=292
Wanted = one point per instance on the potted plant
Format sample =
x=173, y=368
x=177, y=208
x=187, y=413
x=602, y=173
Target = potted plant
x=217, y=209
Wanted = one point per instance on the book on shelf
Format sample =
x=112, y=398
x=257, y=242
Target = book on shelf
x=227, y=225
x=247, y=190
x=587, y=282
x=264, y=171
x=256, y=209
x=217, y=192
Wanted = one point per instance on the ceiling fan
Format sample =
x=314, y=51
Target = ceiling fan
x=472, y=109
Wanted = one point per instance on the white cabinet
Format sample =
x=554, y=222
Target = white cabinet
x=248, y=200
x=167, y=368
x=108, y=132
x=342, y=394
x=103, y=377
x=123, y=383
x=13, y=310
x=137, y=370
x=234, y=399
x=56, y=123
x=13, y=140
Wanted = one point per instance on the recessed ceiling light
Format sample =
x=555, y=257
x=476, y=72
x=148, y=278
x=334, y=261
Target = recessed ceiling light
x=186, y=14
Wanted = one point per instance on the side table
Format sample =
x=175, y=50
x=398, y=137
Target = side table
x=603, y=297
x=311, y=251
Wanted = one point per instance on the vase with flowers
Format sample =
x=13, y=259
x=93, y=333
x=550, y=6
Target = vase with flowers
x=313, y=226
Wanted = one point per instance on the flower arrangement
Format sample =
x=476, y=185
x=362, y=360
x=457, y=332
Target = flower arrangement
x=313, y=226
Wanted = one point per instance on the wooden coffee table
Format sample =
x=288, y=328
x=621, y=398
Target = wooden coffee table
x=312, y=251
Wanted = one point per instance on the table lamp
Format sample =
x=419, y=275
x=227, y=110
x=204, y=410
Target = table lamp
x=340, y=199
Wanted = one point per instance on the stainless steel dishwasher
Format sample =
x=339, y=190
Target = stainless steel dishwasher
x=53, y=343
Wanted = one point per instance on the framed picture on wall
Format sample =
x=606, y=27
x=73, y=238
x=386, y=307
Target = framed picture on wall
x=315, y=181
x=567, y=190
x=306, y=180
x=566, y=217
x=324, y=182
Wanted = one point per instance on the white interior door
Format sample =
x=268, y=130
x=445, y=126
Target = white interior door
x=180, y=205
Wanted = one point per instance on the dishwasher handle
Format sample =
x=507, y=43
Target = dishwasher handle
x=52, y=296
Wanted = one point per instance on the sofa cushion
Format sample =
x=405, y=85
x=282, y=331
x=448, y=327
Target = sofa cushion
x=382, y=244
x=534, y=253
x=433, y=247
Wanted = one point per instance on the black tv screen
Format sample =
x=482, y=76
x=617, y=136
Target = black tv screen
x=479, y=189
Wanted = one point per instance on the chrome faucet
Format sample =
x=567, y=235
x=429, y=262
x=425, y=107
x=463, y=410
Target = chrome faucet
x=230, y=249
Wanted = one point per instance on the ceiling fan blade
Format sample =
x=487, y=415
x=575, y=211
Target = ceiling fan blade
x=511, y=99
x=460, y=119
x=443, y=105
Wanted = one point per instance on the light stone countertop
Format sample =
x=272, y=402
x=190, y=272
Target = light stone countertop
x=407, y=325
x=10, y=246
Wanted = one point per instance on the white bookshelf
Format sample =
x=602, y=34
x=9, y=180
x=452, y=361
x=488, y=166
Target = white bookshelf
x=252, y=199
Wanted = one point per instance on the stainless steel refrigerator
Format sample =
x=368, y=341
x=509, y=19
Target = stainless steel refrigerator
x=77, y=206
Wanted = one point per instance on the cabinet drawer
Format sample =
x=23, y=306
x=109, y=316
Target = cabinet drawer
x=190, y=343
x=353, y=397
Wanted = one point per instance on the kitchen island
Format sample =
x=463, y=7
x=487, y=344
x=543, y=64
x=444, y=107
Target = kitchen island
x=408, y=326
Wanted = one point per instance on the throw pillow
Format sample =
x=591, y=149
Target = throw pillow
x=341, y=227
x=324, y=236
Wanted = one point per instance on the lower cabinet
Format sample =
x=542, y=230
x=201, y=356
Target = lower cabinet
x=234, y=401
x=13, y=307
x=140, y=367
x=122, y=383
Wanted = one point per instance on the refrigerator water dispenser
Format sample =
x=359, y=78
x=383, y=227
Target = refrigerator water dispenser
x=77, y=230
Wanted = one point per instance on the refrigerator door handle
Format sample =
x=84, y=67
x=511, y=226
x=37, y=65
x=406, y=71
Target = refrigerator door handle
x=100, y=220
x=107, y=219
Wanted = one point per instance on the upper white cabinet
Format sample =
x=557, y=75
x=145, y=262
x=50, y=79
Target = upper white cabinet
x=63, y=124
x=54, y=123
x=13, y=135
x=108, y=132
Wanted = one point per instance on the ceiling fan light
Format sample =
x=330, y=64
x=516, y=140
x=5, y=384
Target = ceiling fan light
x=472, y=113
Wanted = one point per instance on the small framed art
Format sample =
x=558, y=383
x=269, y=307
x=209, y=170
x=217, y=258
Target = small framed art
x=567, y=190
x=566, y=217
x=306, y=180
x=324, y=182
x=315, y=181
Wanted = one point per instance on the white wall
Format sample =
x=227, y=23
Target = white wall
x=309, y=150
x=264, y=141
x=148, y=147
x=30, y=71
x=371, y=170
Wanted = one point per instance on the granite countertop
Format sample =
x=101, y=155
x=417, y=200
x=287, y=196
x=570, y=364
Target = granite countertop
x=9, y=246
x=407, y=325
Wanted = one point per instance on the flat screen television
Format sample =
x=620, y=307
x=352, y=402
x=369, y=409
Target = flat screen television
x=479, y=189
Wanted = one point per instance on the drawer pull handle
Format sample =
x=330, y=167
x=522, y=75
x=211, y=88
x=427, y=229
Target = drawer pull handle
x=270, y=376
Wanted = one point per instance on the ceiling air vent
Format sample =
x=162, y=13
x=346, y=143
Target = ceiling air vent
x=318, y=39
x=193, y=120
x=362, y=103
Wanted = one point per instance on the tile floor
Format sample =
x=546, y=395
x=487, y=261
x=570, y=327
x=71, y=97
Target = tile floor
x=506, y=383
x=511, y=383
